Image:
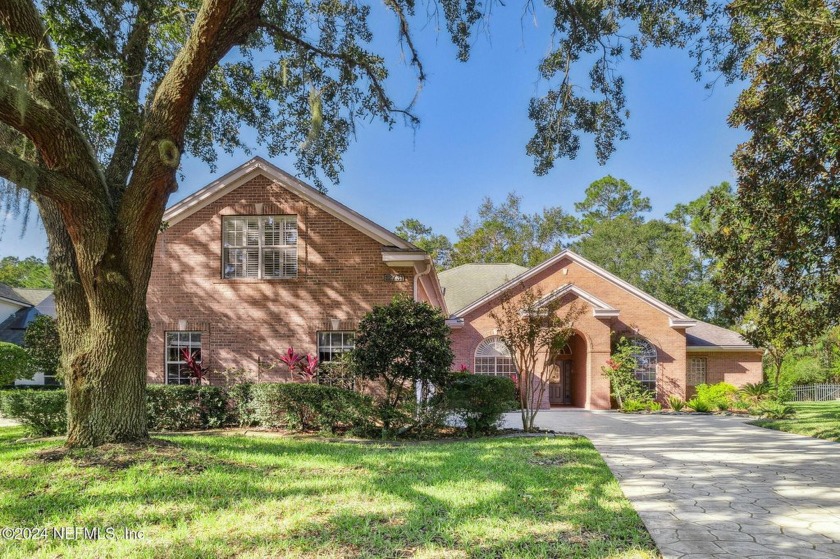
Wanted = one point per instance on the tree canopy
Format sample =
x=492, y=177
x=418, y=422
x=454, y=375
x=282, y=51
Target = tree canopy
x=31, y=272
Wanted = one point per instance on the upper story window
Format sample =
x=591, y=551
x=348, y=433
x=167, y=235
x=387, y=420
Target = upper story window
x=259, y=246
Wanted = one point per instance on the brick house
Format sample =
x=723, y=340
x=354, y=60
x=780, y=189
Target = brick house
x=676, y=352
x=258, y=261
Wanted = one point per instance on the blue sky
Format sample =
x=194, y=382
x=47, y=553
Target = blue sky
x=471, y=142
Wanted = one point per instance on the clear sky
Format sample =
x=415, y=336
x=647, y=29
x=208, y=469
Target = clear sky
x=471, y=142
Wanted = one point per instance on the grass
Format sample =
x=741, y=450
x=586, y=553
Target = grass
x=813, y=419
x=236, y=496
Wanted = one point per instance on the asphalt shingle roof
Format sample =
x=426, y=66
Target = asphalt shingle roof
x=709, y=335
x=466, y=283
x=10, y=293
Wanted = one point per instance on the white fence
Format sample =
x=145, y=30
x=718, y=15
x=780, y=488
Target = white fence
x=816, y=393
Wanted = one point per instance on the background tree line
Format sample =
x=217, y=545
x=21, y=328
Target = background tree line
x=610, y=226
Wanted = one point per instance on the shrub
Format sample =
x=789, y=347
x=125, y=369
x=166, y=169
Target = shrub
x=775, y=410
x=633, y=405
x=401, y=344
x=185, y=407
x=755, y=391
x=42, y=412
x=239, y=404
x=310, y=406
x=654, y=406
x=740, y=405
x=42, y=344
x=15, y=363
x=717, y=396
x=698, y=405
x=675, y=402
x=479, y=401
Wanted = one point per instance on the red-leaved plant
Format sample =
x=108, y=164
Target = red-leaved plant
x=198, y=374
x=464, y=369
x=291, y=359
x=308, y=367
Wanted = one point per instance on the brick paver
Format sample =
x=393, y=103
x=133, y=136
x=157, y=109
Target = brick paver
x=712, y=486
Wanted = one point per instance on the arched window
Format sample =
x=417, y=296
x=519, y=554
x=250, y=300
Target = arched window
x=645, y=363
x=492, y=357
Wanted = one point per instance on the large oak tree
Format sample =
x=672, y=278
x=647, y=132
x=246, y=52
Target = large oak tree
x=99, y=100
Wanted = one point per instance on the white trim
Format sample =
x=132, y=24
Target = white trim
x=403, y=259
x=678, y=323
x=600, y=309
x=592, y=267
x=21, y=304
x=259, y=166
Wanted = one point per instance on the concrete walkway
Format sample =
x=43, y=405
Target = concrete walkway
x=8, y=422
x=711, y=486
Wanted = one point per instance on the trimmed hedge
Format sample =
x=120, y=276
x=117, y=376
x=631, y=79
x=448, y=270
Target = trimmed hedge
x=42, y=412
x=309, y=406
x=186, y=407
x=479, y=400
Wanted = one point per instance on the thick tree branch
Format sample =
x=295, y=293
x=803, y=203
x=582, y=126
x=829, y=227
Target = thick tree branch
x=134, y=57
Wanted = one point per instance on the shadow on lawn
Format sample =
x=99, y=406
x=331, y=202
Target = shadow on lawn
x=477, y=499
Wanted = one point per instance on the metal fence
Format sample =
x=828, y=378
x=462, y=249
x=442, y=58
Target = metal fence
x=816, y=392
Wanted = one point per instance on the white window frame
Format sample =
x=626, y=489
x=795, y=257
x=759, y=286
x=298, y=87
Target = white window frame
x=346, y=343
x=698, y=367
x=647, y=363
x=492, y=357
x=191, y=346
x=286, y=247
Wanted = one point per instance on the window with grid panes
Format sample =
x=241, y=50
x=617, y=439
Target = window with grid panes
x=696, y=371
x=492, y=357
x=333, y=344
x=259, y=246
x=646, y=359
x=176, y=367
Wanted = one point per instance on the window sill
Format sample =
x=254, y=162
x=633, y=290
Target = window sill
x=258, y=280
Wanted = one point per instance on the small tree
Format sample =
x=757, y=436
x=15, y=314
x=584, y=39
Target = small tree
x=401, y=344
x=620, y=370
x=535, y=332
x=779, y=323
x=14, y=364
x=42, y=344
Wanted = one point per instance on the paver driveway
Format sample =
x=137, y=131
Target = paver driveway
x=711, y=486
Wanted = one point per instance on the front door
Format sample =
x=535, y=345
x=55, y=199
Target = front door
x=560, y=385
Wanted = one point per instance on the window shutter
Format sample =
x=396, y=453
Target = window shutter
x=290, y=262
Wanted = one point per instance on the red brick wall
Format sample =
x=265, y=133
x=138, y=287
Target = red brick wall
x=636, y=315
x=738, y=368
x=245, y=320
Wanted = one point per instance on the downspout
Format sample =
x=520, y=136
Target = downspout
x=419, y=389
x=423, y=273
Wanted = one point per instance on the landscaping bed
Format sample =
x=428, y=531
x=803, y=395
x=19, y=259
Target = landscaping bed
x=207, y=495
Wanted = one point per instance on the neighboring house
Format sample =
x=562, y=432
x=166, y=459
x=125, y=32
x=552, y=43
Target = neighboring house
x=258, y=261
x=19, y=307
x=676, y=352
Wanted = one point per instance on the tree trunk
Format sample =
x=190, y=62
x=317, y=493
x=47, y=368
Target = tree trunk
x=106, y=384
x=103, y=329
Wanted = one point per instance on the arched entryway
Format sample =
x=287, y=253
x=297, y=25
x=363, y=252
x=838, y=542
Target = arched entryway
x=567, y=380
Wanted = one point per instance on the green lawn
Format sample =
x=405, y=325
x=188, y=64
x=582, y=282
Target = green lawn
x=814, y=419
x=237, y=496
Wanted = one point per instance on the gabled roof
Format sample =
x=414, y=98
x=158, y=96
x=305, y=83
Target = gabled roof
x=33, y=296
x=600, y=309
x=10, y=294
x=464, y=284
x=676, y=318
x=259, y=166
x=704, y=336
